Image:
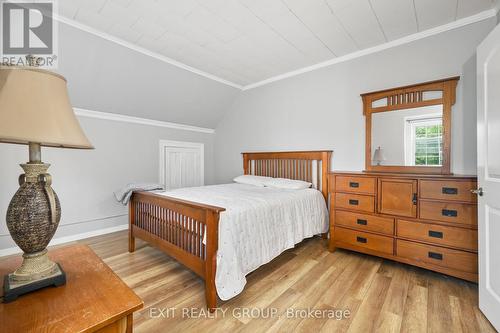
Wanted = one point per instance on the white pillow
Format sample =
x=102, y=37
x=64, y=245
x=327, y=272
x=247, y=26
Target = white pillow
x=252, y=180
x=289, y=184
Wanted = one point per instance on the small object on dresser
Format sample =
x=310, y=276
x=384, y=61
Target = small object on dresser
x=35, y=111
x=378, y=156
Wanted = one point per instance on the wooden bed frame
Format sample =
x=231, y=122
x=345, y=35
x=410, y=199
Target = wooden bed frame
x=178, y=227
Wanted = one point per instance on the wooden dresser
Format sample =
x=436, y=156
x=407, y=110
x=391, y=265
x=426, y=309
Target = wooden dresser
x=428, y=221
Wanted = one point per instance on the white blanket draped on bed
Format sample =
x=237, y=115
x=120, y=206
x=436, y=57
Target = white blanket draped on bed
x=259, y=223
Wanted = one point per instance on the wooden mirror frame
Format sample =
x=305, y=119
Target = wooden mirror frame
x=409, y=97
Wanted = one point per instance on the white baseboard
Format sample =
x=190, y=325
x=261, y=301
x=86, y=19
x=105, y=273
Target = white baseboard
x=67, y=239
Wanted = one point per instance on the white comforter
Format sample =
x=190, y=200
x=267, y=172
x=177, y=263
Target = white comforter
x=259, y=223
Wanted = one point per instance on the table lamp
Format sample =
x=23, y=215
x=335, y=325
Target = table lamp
x=35, y=110
x=379, y=156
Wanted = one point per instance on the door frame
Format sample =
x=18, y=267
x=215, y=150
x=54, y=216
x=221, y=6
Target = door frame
x=180, y=144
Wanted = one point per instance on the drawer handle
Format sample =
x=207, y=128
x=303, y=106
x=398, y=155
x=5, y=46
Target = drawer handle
x=362, y=222
x=435, y=234
x=414, y=199
x=449, y=213
x=450, y=190
x=434, y=255
x=361, y=240
x=353, y=184
x=353, y=202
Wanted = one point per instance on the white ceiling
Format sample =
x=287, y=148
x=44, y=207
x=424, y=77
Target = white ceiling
x=247, y=41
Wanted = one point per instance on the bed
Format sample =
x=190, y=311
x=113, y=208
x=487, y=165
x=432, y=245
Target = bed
x=223, y=232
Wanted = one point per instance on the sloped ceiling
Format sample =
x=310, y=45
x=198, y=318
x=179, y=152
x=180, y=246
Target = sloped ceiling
x=247, y=41
x=105, y=76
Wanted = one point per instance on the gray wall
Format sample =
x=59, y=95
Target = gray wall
x=322, y=109
x=497, y=7
x=85, y=179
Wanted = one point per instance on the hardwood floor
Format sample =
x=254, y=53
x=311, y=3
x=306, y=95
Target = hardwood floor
x=379, y=295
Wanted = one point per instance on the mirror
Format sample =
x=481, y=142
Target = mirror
x=408, y=129
x=408, y=137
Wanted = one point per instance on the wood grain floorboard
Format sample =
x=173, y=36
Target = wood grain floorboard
x=377, y=295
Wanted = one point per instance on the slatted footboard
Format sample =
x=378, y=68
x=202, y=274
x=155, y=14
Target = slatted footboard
x=187, y=231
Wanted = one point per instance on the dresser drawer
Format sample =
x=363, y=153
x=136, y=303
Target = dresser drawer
x=438, y=234
x=365, y=185
x=365, y=222
x=448, y=190
x=362, y=203
x=448, y=212
x=364, y=240
x=454, y=259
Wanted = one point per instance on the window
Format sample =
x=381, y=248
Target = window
x=424, y=141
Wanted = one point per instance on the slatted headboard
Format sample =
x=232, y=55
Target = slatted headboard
x=310, y=166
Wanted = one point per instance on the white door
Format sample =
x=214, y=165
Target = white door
x=181, y=164
x=488, y=162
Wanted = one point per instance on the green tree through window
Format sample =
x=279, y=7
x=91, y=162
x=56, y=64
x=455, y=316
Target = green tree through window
x=429, y=143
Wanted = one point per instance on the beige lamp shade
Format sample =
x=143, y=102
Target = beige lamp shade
x=379, y=155
x=35, y=107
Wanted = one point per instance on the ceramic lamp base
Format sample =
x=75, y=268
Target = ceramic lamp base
x=13, y=288
x=32, y=219
x=35, y=266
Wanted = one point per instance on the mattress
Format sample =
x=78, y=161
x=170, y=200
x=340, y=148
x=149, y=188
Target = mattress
x=258, y=225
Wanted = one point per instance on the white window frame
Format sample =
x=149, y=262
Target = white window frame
x=409, y=125
x=180, y=144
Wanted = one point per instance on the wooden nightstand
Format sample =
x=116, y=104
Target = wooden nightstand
x=94, y=298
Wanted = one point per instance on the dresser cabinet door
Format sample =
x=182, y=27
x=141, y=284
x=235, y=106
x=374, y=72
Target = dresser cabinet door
x=397, y=197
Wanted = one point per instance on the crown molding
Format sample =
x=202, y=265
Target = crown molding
x=141, y=121
x=401, y=41
x=144, y=51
